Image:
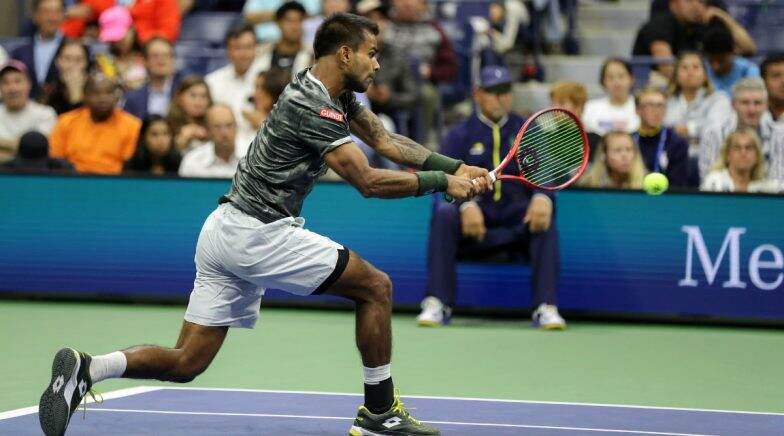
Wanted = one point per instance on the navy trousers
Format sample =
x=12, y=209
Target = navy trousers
x=446, y=243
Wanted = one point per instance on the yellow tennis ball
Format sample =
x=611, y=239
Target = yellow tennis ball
x=655, y=183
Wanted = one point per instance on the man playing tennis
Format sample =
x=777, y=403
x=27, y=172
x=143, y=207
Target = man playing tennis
x=255, y=238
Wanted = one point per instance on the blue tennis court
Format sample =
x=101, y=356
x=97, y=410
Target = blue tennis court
x=200, y=411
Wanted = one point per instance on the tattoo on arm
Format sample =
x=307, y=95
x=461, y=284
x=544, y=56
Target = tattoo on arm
x=396, y=147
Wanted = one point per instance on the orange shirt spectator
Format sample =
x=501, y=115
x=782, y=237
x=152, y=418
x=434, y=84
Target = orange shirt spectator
x=156, y=18
x=99, y=137
x=81, y=14
x=95, y=147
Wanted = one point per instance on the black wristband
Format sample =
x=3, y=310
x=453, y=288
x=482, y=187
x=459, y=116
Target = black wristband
x=430, y=182
x=439, y=162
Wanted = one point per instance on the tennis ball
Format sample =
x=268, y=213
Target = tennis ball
x=655, y=183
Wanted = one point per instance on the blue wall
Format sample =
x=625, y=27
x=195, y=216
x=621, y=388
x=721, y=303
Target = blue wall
x=623, y=252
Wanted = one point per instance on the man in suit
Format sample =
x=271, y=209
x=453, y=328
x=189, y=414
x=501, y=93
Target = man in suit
x=38, y=54
x=510, y=217
x=154, y=97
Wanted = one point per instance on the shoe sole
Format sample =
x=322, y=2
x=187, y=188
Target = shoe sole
x=359, y=431
x=54, y=408
x=429, y=324
x=552, y=327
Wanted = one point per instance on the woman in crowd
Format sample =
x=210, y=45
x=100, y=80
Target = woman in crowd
x=188, y=113
x=617, y=164
x=125, y=60
x=693, y=104
x=741, y=167
x=616, y=111
x=155, y=152
x=66, y=92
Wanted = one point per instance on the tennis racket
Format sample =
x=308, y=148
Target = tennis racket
x=551, y=151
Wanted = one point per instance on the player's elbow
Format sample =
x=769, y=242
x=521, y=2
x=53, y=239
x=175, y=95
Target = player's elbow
x=369, y=185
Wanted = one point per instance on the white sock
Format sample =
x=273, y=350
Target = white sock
x=110, y=365
x=374, y=376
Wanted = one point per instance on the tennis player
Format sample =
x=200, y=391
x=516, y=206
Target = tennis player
x=255, y=239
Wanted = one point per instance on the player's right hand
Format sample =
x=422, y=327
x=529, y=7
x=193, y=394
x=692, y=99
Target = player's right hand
x=460, y=188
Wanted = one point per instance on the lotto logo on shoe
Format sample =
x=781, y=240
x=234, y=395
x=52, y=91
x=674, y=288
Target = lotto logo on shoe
x=58, y=384
x=82, y=388
x=391, y=422
x=331, y=115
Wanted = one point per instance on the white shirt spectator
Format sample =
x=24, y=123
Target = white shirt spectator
x=203, y=162
x=702, y=112
x=720, y=181
x=234, y=91
x=601, y=117
x=269, y=31
x=34, y=116
x=3, y=56
x=771, y=134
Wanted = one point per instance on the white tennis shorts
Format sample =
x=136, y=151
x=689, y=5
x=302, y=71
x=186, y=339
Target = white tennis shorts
x=238, y=257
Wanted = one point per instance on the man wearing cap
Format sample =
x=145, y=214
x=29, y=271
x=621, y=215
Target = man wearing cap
x=508, y=219
x=38, y=54
x=18, y=114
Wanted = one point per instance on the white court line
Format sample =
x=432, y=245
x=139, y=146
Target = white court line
x=491, y=400
x=471, y=424
x=127, y=392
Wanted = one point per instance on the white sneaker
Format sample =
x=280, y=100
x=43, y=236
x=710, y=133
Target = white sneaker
x=434, y=313
x=546, y=317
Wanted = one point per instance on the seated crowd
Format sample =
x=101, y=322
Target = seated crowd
x=709, y=119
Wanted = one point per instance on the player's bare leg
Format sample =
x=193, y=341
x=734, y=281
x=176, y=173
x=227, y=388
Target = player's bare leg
x=74, y=373
x=371, y=290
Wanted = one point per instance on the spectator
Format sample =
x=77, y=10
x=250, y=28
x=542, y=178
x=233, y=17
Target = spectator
x=38, y=53
x=19, y=115
x=261, y=14
x=662, y=149
x=682, y=29
x=80, y=15
x=724, y=67
x=693, y=104
x=3, y=56
x=328, y=7
x=572, y=97
x=153, y=18
x=741, y=166
x=394, y=87
x=423, y=39
x=750, y=106
x=617, y=164
x=125, y=61
x=616, y=110
x=288, y=53
x=33, y=155
x=215, y=159
x=269, y=86
x=154, y=97
x=155, y=153
x=511, y=215
x=233, y=84
x=66, y=92
x=99, y=137
x=188, y=113
x=773, y=74
x=506, y=18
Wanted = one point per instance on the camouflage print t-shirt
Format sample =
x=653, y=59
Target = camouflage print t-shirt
x=287, y=155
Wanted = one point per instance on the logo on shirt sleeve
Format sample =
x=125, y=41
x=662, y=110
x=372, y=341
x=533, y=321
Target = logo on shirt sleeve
x=331, y=115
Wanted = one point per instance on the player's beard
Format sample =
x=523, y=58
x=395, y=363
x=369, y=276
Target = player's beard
x=355, y=84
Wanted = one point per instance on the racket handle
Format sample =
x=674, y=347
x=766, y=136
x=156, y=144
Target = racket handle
x=448, y=198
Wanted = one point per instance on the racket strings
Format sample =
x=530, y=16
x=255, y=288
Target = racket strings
x=552, y=150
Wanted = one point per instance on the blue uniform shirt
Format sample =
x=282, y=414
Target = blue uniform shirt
x=480, y=142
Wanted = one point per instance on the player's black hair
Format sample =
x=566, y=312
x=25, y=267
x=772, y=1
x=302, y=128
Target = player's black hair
x=237, y=31
x=626, y=65
x=342, y=29
x=37, y=3
x=718, y=40
x=290, y=6
x=774, y=58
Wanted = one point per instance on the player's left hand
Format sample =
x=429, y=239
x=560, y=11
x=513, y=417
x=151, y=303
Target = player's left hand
x=483, y=182
x=539, y=214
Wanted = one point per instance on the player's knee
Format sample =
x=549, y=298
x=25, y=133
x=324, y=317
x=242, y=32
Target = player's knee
x=188, y=368
x=381, y=289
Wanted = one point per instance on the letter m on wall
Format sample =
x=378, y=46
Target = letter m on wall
x=696, y=243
